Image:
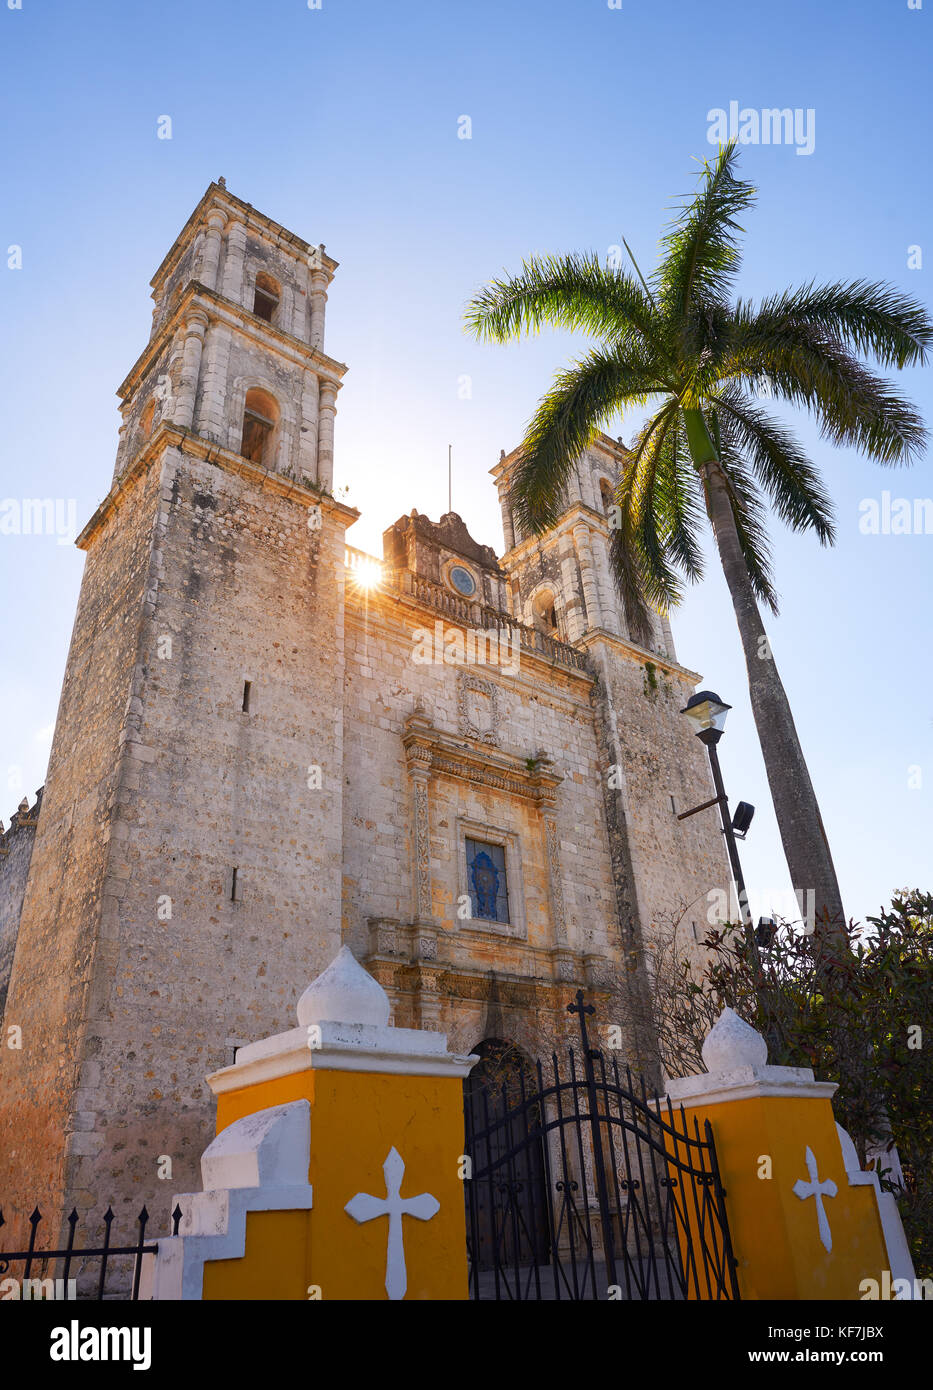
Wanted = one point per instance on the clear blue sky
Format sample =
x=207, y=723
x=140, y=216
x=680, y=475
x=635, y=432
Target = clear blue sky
x=342, y=123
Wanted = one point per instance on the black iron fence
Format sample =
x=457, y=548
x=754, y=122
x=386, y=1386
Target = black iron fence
x=73, y=1271
x=583, y=1188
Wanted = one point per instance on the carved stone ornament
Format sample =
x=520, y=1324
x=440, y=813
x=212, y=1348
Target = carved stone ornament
x=478, y=708
x=430, y=750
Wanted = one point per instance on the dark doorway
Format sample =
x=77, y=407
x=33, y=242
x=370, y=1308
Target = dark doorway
x=581, y=1186
x=507, y=1219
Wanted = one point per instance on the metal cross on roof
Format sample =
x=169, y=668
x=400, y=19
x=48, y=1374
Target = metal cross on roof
x=364, y=1207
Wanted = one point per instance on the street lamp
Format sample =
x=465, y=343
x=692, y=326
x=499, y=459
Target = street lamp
x=765, y=932
x=707, y=713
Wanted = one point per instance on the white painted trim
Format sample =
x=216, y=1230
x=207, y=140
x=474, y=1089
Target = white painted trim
x=746, y=1083
x=264, y=1160
x=343, y=1047
x=899, y=1261
x=344, y=992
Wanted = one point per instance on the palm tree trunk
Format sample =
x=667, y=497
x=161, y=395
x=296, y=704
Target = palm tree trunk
x=806, y=847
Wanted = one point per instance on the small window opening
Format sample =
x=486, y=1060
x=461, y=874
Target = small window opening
x=266, y=299
x=247, y=685
x=256, y=431
x=145, y=421
x=233, y=885
x=544, y=611
x=260, y=416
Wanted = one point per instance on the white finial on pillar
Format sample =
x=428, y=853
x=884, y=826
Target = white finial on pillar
x=732, y=1043
x=737, y=1068
x=344, y=993
x=343, y=1025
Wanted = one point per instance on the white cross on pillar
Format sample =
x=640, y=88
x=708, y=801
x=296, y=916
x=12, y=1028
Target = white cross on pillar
x=819, y=1190
x=364, y=1207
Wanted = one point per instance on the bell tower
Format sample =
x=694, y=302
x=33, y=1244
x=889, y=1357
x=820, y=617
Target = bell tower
x=187, y=862
x=561, y=582
x=236, y=351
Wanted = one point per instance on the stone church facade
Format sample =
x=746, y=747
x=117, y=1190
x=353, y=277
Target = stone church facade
x=269, y=744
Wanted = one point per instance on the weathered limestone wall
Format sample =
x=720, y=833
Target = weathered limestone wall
x=136, y=973
x=536, y=709
x=237, y=364
x=384, y=684
x=243, y=590
x=171, y=289
x=57, y=945
x=598, y=858
x=676, y=864
x=15, y=856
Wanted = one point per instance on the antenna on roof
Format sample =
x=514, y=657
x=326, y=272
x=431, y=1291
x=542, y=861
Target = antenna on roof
x=450, y=451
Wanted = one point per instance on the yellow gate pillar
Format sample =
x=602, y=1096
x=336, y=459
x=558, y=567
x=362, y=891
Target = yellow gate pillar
x=337, y=1168
x=805, y=1221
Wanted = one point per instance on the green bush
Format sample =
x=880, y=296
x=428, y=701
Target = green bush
x=862, y=1018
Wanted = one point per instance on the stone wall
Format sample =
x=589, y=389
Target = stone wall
x=537, y=708
x=581, y=896
x=197, y=583
x=59, y=946
x=15, y=855
x=662, y=770
x=246, y=592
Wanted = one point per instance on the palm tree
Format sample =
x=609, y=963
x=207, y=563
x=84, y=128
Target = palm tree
x=700, y=363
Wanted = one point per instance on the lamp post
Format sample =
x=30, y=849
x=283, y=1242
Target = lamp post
x=708, y=713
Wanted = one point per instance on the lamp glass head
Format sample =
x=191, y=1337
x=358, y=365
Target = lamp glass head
x=706, y=711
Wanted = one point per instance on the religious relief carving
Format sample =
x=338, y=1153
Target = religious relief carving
x=427, y=985
x=478, y=708
x=555, y=884
x=599, y=971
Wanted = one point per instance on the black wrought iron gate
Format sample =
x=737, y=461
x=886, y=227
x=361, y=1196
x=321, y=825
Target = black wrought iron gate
x=583, y=1188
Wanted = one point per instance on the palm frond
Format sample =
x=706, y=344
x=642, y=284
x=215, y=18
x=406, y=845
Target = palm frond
x=781, y=467
x=749, y=512
x=683, y=507
x=572, y=292
x=626, y=553
x=851, y=403
x=700, y=255
x=870, y=318
x=650, y=516
x=668, y=515
x=582, y=399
